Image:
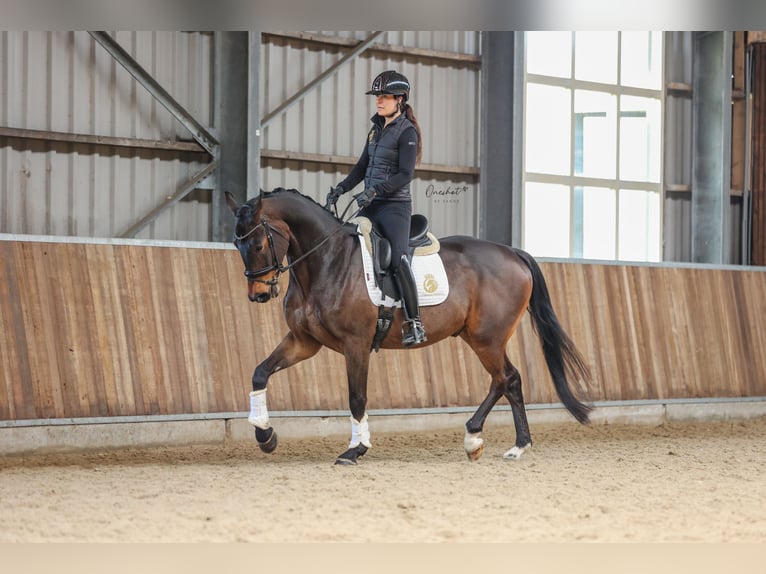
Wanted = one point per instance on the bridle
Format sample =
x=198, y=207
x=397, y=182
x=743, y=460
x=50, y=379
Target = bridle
x=275, y=260
x=276, y=266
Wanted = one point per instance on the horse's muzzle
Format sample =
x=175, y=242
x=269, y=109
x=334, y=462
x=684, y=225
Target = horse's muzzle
x=261, y=291
x=259, y=297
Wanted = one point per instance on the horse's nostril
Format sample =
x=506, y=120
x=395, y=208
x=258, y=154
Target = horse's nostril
x=260, y=298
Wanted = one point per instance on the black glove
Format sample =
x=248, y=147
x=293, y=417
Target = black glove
x=365, y=198
x=332, y=197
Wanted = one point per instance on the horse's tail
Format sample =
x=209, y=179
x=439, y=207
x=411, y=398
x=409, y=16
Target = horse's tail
x=561, y=355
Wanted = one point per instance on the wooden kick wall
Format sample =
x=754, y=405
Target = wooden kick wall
x=100, y=330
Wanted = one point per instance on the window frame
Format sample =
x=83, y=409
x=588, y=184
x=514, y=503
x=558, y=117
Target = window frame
x=576, y=183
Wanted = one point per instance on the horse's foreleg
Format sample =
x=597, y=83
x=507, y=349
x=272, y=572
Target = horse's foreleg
x=259, y=418
x=289, y=352
x=357, y=365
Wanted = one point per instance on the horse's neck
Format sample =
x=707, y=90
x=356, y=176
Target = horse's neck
x=309, y=229
x=317, y=246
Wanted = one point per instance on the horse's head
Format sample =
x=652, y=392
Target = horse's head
x=262, y=243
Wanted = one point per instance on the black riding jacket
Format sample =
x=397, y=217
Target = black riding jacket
x=387, y=163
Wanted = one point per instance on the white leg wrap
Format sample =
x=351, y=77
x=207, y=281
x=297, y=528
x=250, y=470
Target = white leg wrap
x=360, y=432
x=259, y=414
x=472, y=442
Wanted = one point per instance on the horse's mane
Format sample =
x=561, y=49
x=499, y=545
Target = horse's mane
x=285, y=191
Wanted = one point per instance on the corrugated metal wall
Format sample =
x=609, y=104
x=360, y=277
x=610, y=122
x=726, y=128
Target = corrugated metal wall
x=65, y=82
x=334, y=119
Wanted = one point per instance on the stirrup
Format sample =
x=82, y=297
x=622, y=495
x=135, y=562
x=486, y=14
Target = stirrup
x=415, y=333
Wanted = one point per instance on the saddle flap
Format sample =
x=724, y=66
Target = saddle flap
x=381, y=249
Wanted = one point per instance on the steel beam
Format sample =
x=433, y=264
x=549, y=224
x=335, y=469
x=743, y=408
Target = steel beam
x=198, y=131
x=711, y=147
x=105, y=141
x=182, y=191
x=232, y=105
x=451, y=59
x=253, y=117
x=300, y=94
x=500, y=175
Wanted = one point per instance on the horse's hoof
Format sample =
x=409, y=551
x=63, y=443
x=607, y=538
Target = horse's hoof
x=473, y=445
x=349, y=457
x=476, y=454
x=269, y=444
x=515, y=452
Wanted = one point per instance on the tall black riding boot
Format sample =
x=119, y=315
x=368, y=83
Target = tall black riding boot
x=412, y=330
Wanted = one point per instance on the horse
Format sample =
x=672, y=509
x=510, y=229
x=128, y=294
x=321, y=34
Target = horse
x=490, y=287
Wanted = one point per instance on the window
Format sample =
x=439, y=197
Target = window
x=593, y=145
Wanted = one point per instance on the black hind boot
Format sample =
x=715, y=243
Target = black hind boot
x=413, y=332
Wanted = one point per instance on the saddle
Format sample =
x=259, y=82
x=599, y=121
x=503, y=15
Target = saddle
x=421, y=242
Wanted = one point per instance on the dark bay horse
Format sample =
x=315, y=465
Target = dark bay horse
x=326, y=304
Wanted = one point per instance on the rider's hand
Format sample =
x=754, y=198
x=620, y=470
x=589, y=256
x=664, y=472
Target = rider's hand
x=332, y=197
x=365, y=198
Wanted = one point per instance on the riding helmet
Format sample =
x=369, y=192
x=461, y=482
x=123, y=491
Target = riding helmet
x=390, y=82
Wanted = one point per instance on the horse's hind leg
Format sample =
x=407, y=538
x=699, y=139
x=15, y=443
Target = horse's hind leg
x=516, y=398
x=506, y=381
x=473, y=443
x=493, y=358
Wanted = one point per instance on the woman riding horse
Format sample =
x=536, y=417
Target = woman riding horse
x=387, y=164
x=491, y=286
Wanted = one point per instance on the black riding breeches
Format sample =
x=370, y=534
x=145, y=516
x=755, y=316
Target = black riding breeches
x=392, y=219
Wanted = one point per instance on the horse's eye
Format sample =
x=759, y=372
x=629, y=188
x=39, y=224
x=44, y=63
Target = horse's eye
x=259, y=247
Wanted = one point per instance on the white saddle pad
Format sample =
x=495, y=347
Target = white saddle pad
x=430, y=276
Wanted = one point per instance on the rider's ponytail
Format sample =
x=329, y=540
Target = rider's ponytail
x=408, y=113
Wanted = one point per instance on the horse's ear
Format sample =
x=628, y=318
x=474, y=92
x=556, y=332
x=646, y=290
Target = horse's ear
x=231, y=202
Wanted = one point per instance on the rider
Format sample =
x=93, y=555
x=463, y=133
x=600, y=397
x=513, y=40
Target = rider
x=387, y=165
